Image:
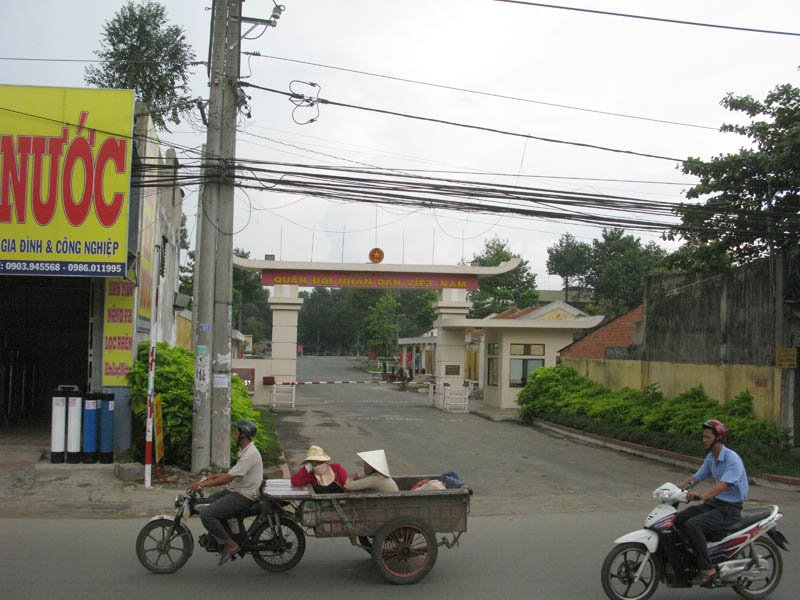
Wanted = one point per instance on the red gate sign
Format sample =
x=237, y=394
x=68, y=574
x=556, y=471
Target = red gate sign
x=388, y=280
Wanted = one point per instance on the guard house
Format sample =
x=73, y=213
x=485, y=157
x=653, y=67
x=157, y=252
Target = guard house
x=515, y=344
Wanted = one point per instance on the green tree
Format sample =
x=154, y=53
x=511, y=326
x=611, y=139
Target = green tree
x=751, y=197
x=499, y=292
x=251, y=311
x=618, y=267
x=382, y=326
x=416, y=311
x=569, y=259
x=336, y=320
x=140, y=51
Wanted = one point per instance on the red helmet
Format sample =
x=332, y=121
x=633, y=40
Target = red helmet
x=719, y=428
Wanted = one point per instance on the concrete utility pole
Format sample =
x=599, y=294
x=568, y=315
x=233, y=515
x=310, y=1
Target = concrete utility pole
x=211, y=420
x=223, y=284
x=205, y=259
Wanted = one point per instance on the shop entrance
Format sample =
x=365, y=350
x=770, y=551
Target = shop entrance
x=44, y=342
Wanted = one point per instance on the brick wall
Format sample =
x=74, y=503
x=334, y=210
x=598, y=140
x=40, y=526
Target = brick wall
x=618, y=332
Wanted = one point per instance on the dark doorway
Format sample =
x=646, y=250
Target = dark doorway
x=44, y=342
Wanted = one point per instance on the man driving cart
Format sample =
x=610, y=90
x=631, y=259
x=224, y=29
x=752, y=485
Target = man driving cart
x=243, y=486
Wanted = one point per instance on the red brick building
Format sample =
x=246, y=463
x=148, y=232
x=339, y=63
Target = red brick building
x=614, y=334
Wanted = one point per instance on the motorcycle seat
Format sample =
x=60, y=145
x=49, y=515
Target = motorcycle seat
x=251, y=511
x=749, y=516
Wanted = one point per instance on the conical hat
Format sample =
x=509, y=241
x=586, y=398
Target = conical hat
x=377, y=460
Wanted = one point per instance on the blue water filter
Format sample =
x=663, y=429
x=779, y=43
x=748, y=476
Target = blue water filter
x=106, y=427
x=90, y=406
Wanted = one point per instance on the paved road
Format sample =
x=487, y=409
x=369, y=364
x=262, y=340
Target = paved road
x=514, y=469
x=542, y=556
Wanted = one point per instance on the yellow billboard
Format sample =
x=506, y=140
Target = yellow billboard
x=65, y=171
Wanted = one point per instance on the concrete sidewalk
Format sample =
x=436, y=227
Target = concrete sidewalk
x=31, y=486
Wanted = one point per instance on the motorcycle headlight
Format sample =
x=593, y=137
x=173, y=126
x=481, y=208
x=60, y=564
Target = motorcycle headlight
x=179, y=500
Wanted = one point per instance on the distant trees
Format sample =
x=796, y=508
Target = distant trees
x=140, y=51
x=251, y=311
x=337, y=320
x=499, y=292
x=614, y=267
x=382, y=326
x=569, y=259
x=617, y=269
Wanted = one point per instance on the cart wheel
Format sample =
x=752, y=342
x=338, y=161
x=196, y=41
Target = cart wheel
x=404, y=550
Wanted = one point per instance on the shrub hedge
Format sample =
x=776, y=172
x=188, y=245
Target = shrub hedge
x=174, y=380
x=645, y=416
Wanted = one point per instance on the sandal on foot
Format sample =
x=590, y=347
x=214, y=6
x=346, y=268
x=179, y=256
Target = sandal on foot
x=703, y=579
x=226, y=556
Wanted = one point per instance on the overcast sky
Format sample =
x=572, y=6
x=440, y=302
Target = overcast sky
x=602, y=63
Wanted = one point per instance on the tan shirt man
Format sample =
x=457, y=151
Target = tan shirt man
x=248, y=472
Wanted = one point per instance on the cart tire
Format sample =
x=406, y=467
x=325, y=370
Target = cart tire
x=161, y=553
x=283, y=549
x=404, y=550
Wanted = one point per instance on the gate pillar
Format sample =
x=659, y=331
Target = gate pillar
x=285, y=305
x=449, y=361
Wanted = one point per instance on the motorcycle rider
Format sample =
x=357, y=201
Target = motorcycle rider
x=722, y=504
x=244, y=480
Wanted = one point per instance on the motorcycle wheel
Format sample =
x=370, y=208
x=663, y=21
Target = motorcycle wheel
x=160, y=553
x=764, y=549
x=279, y=548
x=620, y=567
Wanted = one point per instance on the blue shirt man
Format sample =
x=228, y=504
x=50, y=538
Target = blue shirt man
x=729, y=468
x=722, y=504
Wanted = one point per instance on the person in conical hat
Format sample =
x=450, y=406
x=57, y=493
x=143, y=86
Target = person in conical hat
x=376, y=475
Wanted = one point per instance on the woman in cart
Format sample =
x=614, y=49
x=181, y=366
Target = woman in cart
x=376, y=477
x=320, y=472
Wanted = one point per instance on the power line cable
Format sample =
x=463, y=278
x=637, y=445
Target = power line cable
x=482, y=93
x=645, y=18
x=462, y=125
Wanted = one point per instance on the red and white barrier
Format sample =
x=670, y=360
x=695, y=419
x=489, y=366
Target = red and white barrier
x=328, y=382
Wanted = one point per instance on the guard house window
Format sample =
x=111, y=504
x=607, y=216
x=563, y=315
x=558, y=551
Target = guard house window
x=522, y=363
x=527, y=349
x=492, y=362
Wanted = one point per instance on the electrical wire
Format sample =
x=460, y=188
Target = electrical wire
x=481, y=92
x=661, y=20
x=323, y=101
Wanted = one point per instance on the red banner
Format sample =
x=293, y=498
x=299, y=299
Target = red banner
x=341, y=279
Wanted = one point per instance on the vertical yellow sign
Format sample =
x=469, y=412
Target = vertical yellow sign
x=118, y=350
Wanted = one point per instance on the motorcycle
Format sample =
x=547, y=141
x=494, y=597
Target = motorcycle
x=747, y=556
x=273, y=538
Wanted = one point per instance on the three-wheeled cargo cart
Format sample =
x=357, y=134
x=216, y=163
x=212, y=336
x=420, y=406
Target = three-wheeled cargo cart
x=398, y=529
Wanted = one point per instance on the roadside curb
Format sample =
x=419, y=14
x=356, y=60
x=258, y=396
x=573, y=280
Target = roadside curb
x=663, y=456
